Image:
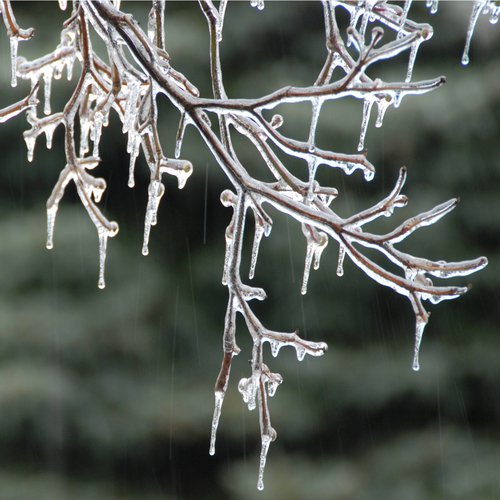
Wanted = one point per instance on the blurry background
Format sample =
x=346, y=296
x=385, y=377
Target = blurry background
x=109, y=394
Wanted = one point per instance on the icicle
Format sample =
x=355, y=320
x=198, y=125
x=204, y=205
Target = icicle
x=267, y=439
x=84, y=135
x=316, y=109
x=62, y=4
x=49, y=133
x=382, y=105
x=476, y=11
x=307, y=267
x=367, y=107
x=180, y=135
x=14, y=42
x=96, y=132
x=419, y=331
x=433, y=4
x=248, y=389
x=69, y=68
x=259, y=232
x=320, y=246
x=301, y=353
x=47, y=79
x=340, y=264
x=51, y=219
x=275, y=347
x=130, y=105
x=220, y=20
x=313, y=167
x=103, y=242
x=404, y=15
x=219, y=399
x=155, y=192
x=257, y=3
x=495, y=14
x=413, y=55
x=30, y=145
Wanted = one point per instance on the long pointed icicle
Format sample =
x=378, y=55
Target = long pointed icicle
x=14, y=43
x=476, y=12
x=367, y=107
x=419, y=332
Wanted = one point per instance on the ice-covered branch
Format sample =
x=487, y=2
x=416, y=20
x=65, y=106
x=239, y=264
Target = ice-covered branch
x=137, y=71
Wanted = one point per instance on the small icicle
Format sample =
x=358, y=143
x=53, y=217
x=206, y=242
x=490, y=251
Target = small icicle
x=47, y=80
x=340, y=264
x=180, y=135
x=265, y=442
x=382, y=105
x=133, y=145
x=404, y=15
x=316, y=109
x=476, y=11
x=51, y=220
x=96, y=134
x=413, y=56
x=367, y=107
x=62, y=4
x=84, y=135
x=69, y=68
x=320, y=246
x=155, y=192
x=259, y=232
x=219, y=399
x=30, y=145
x=14, y=42
x=275, y=348
x=257, y=3
x=220, y=20
x=495, y=14
x=419, y=331
x=313, y=167
x=103, y=242
x=433, y=4
x=49, y=133
x=307, y=267
x=301, y=353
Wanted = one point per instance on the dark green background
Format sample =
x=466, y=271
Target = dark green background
x=109, y=394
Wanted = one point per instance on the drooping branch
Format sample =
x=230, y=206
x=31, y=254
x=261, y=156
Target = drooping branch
x=137, y=71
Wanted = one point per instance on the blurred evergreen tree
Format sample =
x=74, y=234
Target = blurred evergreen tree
x=108, y=394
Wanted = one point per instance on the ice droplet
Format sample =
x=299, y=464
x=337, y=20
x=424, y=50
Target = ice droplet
x=14, y=42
